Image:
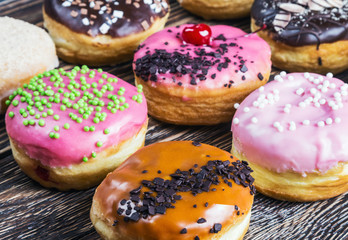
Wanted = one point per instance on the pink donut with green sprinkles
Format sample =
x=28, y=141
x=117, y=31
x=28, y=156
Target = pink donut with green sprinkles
x=62, y=118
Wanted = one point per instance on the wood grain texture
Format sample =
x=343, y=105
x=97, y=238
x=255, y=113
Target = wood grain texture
x=28, y=211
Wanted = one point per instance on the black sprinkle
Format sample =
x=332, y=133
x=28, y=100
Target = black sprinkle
x=320, y=61
x=145, y=171
x=196, y=144
x=201, y=220
x=115, y=223
x=216, y=228
x=206, y=204
x=196, y=238
x=260, y=76
x=243, y=69
x=183, y=231
x=159, y=171
x=195, y=206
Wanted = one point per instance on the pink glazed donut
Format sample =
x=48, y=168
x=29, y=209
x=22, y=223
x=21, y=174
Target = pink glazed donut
x=194, y=74
x=292, y=132
x=68, y=129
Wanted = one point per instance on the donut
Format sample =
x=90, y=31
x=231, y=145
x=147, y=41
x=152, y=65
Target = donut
x=68, y=129
x=304, y=35
x=102, y=32
x=194, y=74
x=25, y=50
x=175, y=190
x=292, y=133
x=218, y=9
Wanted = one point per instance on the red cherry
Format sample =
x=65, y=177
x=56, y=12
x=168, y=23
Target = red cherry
x=199, y=34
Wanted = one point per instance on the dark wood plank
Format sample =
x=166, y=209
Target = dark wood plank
x=28, y=211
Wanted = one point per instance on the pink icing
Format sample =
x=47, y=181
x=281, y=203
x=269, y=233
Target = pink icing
x=310, y=133
x=249, y=47
x=75, y=143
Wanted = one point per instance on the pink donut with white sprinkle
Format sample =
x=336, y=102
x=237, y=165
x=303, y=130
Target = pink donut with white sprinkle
x=292, y=131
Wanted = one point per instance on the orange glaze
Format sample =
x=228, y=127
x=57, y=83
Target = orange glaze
x=168, y=157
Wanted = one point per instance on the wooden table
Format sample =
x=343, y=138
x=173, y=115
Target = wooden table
x=29, y=211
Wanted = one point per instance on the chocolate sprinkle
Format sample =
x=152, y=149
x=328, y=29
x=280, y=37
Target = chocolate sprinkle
x=163, y=193
x=201, y=220
x=196, y=238
x=260, y=76
x=196, y=144
x=183, y=231
x=216, y=228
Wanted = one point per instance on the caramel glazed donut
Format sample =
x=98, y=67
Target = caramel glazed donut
x=175, y=191
x=69, y=129
x=292, y=132
x=304, y=35
x=198, y=84
x=102, y=32
x=218, y=9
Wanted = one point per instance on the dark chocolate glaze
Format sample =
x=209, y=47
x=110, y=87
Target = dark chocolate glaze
x=84, y=16
x=306, y=28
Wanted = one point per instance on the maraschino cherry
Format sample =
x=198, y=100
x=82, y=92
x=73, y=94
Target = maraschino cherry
x=199, y=34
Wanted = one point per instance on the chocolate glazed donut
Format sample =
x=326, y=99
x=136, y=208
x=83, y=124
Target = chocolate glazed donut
x=306, y=23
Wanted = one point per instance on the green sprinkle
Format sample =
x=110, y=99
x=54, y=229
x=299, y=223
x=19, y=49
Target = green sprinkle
x=37, y=116
x=94, y=155
x=86, y=128
x=104, y=76
x=113, y=110
x=41, y=122
x=51, y=134
x=25, y=122
x=32, y=112
x=92, y=128
x=96, y=120
x=56, y=128
x=99, y=144
x=100, y=70
x=85, y=159
x=56, y=117
x=25, y=115
x=15, y=103
x=50, y=112
x=56, y=135
x=11, y=114
x=32, y=122
x=122, y=99
x=106, y=131
x=66, y=125
x=44, y=114
x=79, y=120
x=62, y=107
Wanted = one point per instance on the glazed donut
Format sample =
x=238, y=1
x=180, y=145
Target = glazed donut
x=304, y=35
x=292, y=133
x=68, y=129
x=25, y=50
x=102, y=32
x=175, y=190
x=218, y=9
x=197, y=81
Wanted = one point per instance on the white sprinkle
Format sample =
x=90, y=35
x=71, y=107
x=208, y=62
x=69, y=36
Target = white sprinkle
x=104, y=28
x=332, y=85
x=278, y=78
x=288, y=105
x=236, y=105
x=118, y=14
x=306, y=75
x=329, y=121
x=148, y=1
x=321, y=78
x=322, y=101
x=254, y=120
x=282, y=73
x=340, y=105
x=324, y=89
x=344, y=87
x=262, y=105
x=311, y=79
x=280, y=129
x=334, y=107
x=337, y=120
x=299, y=91
x=270, y=96
x=344, y=93
x=320, y=86
x=85, y=21
x=291, y=78
x=276, y=124
x=326, y=83
x=329, y=75
x=317, y=104
x=92, y=4
x=337, y=95
x=306, y=122
x=302, y=104
x=246, y=109
x=316, y=81
x=286, y=110
x=256, y=103
x=276, y=91
x=313, y=91
x=321, y=124
x=66, y=4
x=292, y=126
x=261, y=89
x=114, y=20
x=164, y=4
x=235, y=120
